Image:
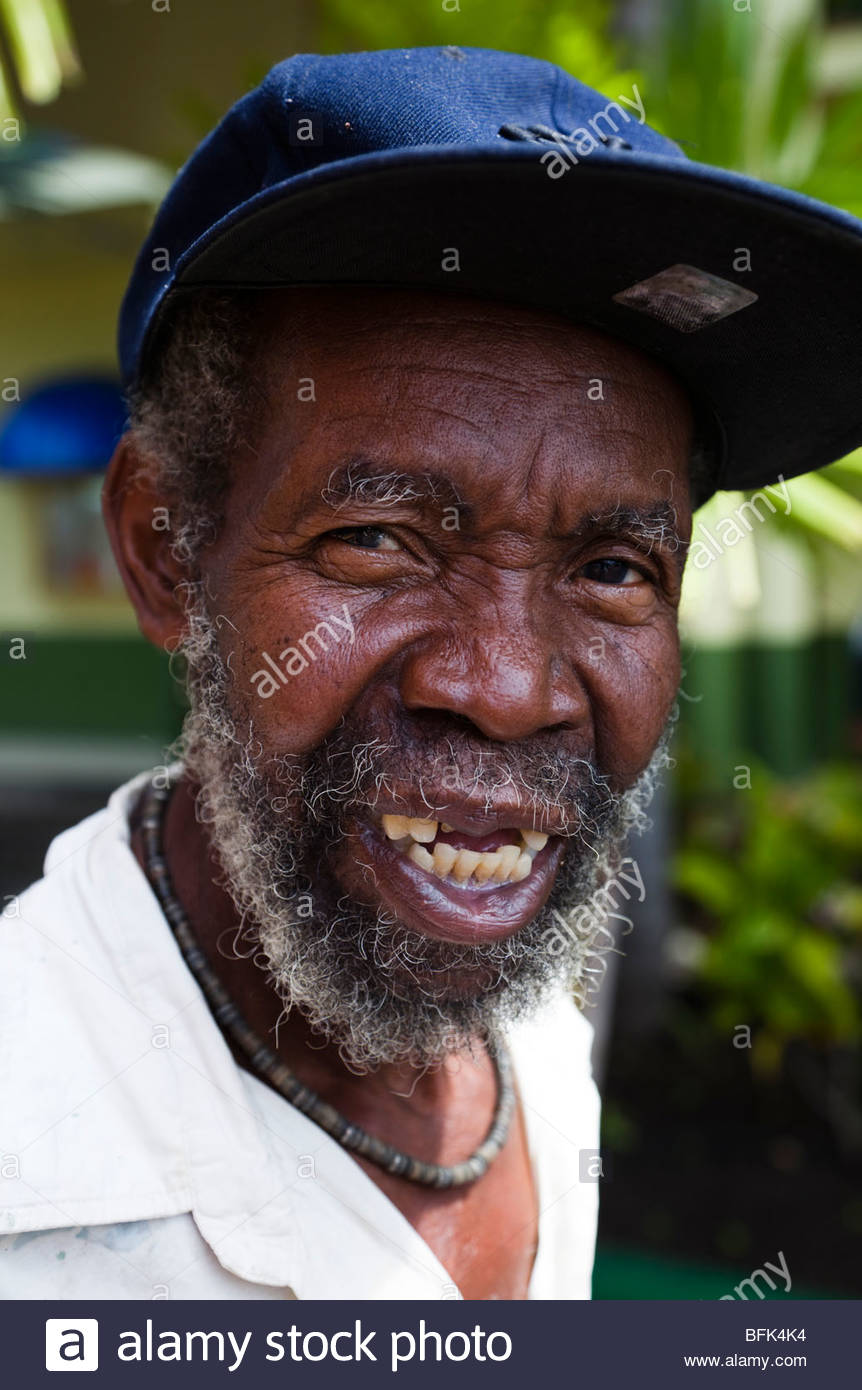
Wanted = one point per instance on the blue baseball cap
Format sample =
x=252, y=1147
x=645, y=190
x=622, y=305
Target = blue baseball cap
x=502, y=176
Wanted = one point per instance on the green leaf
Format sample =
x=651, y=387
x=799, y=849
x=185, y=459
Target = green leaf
x=827, y=509
x=32, y=45
x=41, y=47
x=706, y=879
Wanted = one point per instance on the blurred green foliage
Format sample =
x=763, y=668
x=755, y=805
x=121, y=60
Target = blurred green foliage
x=37, y=52
x=574, y=35
x=771, y=879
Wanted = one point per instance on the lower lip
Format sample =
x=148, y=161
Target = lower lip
x=448, y=912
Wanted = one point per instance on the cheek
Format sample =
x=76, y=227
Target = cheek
x=299, y=660
x=632, y=678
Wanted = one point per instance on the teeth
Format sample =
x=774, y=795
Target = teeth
x=396, y=827
x=465, y=864
x=425, y=831
x=444, y=858
x=446, y=828
x=486, y=866
x=521, y=869
x=420, y=856
x=509, y=856
x=508, y=864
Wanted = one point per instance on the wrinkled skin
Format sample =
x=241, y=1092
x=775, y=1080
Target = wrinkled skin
x=523, y=612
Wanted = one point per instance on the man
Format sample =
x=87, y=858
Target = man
x=427, y=371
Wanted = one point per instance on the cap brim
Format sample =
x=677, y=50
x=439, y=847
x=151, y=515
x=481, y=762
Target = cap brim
x=780, y=370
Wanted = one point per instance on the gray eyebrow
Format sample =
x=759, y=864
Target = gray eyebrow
x=360, y=481
x=655, y=526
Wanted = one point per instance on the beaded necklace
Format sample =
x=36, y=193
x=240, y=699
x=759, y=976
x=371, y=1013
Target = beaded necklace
x=269, y=1066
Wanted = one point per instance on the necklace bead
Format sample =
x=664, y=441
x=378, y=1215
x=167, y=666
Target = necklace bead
x=271, y=1068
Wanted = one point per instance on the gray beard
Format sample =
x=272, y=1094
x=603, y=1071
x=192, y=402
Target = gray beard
x=379, y=991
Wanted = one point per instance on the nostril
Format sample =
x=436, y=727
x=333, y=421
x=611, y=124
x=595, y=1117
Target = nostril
x=565, y=726
x=436, y=724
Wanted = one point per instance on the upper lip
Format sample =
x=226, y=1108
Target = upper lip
x=469, y=818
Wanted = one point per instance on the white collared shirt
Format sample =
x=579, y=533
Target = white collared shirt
x=137, y=1160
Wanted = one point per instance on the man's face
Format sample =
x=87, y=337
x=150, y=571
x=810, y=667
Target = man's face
x=445, y=590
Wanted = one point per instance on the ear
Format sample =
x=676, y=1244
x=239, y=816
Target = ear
x=138, y=518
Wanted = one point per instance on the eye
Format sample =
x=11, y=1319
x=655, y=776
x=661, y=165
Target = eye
x=366, y=538
x=611, y=570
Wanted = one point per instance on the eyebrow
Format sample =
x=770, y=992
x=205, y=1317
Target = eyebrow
x=654, y=525
x=361, y=482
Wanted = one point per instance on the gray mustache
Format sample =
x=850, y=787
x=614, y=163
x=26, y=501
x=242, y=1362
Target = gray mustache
x=346, y=774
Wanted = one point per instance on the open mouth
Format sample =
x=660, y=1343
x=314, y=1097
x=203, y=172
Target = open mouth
x=439, y=849
x=457, y=884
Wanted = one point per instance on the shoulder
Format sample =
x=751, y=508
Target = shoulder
x=62, y=941
x=558, y=1035
x=81, y=960
x=551, y=1053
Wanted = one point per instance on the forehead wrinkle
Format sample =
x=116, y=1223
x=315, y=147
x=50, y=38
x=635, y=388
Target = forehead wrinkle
x=528, y=381
x=511, y=328
x=341, y=417
x=511, y=371
x=346, y=316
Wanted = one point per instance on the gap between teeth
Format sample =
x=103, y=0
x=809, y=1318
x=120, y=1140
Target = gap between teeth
x=508, y=864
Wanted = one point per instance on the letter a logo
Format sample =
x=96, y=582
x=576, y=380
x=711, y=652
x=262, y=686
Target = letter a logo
x=71, y=1344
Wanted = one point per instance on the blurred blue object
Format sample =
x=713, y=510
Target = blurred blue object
x=53, y=174
x=64, y=427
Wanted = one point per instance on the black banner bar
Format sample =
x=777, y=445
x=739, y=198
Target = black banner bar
x=270, y=1343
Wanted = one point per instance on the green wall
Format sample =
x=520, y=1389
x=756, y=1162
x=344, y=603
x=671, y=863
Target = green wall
x=81, y=684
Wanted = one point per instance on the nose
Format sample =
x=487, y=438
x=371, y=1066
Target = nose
x=500, y=669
